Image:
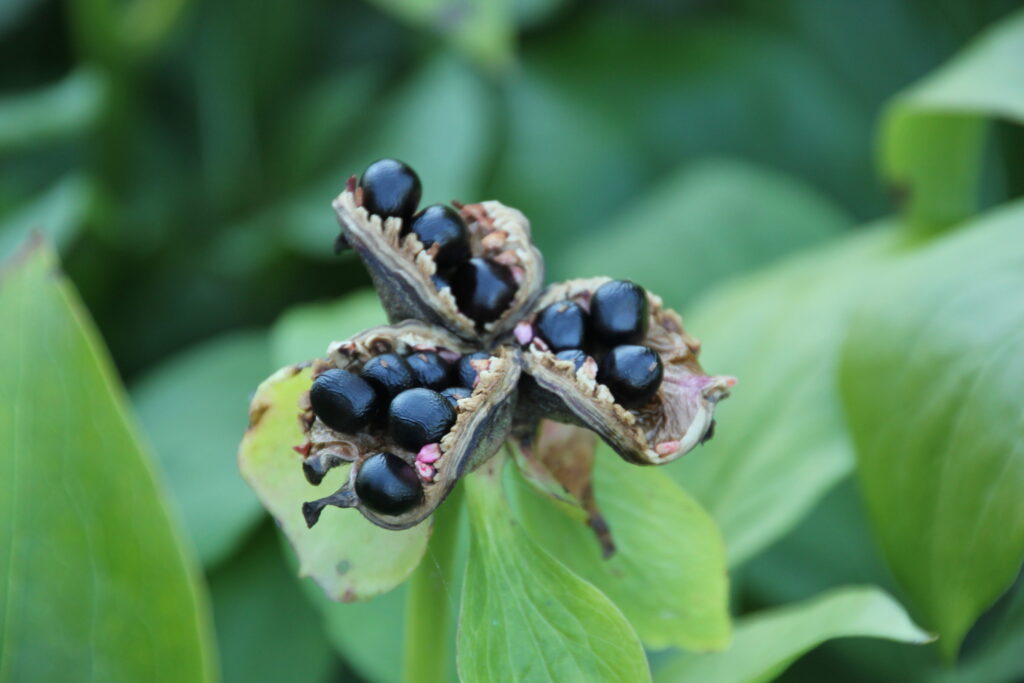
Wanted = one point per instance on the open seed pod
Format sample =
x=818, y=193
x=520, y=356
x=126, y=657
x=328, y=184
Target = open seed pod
x=393, y=483
x=663, y=426
x=410, y=284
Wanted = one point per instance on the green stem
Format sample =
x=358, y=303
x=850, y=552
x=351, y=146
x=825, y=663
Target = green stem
x=428, y=613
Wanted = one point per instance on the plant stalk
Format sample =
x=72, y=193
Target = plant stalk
x=428, y=614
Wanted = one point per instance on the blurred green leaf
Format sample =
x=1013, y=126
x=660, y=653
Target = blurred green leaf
x=709, y=221
x=524, y=615
x=97, y=584
x=440, y=122
x=932, y=135
x=931, y=374
x=13, y=11
x=668, y=573
x=348, y=556
x=780, y=442
x=483, y=29
x=267, y=630
x=768, y=642
x=67, y=109
x=303, y=332
x=58, y=214
x=194, y=406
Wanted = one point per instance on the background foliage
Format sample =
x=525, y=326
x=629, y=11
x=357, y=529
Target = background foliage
x=825, y=189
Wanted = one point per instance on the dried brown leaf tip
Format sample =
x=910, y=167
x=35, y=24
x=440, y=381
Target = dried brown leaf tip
x=479, y=353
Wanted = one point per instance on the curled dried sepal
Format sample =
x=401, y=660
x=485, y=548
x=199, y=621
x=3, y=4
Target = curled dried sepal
x=668, y=426
x=403, y=271
x=482, y=423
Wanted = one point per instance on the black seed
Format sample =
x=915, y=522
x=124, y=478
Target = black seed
x=619, y=313
x=418, y=417
x=390, y=188
x=443, y=226
x=440, y=281
x=632, y=373
x=454, y=394
x=429, y=370
x=483, y=289
x=389, y=374
x=467, y=373
x=709, y=433
x=562, y=325
x=344, y=401
x=387, y=484
x=575, y=355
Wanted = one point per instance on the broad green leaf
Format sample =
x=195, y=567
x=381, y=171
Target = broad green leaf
x=668, y=573
x=349, y=557
x=767, y=643
x=194, y=406
x=933, y=134
x=58, y=214
x=931, y=377
x=711, y=220
x=483, y=29
x=525, y=616
x=780, y=441
x=266, y=629
x=304, y=332
x=64, y=110
x=96, y=582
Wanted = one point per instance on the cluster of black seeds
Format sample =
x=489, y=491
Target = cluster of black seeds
x=412, y=398
x=610, y=332
x=482, y=288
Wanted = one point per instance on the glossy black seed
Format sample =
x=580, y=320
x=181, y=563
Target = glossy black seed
x=619, y=313
x=563, y=325
x=344, y=401
x=429, y=370
x=389, y=374
x=390, y=188
x=467, y=373
x=575, y=355
x=387, y=484
x=454, y=394
x=483, y=289
x=442, y=225
x=418, y=417
x=632, y=373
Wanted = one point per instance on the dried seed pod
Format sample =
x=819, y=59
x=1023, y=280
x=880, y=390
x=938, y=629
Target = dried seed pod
x=406, y=275
x=664, y=428
x=482, y=422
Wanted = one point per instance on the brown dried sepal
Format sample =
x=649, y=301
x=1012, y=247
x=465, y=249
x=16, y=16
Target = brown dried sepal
x=669, y=426
x=481, y=426
x=401, y=268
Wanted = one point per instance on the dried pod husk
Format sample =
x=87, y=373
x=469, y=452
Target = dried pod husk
x=402, y=269
x=482, y=422
x=667, y=427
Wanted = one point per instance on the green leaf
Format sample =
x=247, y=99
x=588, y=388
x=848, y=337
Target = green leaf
x=931, y=376
x=96, y=581
x=933, y=135
x=303, y=332
x=668, y=573
x=351, y=558
x=524, y=615
x=58, y=214
x=768, y=642
x=64, y=110
x=194, y=406
x=780, y=441
x=266, y=628
x=483, y=29
x=709, y=221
